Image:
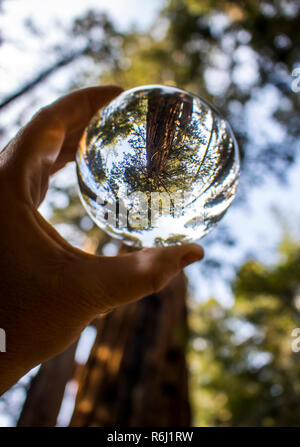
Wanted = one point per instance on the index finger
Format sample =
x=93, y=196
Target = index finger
x=50, y=139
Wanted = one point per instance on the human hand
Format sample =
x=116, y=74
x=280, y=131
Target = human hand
x=49, y=290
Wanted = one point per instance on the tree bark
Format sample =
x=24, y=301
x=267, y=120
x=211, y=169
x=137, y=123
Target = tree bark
x=136, y=374
x=166, y=115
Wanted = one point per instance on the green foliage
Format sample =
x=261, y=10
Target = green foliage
x=244, y=371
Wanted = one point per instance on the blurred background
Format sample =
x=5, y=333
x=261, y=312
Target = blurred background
x=219, y=346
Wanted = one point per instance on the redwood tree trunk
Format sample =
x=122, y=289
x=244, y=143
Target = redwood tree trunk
x=136, y=374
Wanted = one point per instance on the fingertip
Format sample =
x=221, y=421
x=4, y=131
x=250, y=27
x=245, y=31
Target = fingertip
x=193, y=254
x=101, y=95
x=109, y=89
x=113, y=88
x=177, y=255
x=117, y=88
x=197, y=249
x=175, y=250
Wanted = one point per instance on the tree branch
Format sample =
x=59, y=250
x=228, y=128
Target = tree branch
x=42, y=76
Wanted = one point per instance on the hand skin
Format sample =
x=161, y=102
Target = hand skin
x=49, y=290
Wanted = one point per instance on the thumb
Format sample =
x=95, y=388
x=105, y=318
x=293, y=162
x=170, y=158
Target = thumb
x=107, y=282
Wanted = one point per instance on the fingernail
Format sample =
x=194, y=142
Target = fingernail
x=189, y=258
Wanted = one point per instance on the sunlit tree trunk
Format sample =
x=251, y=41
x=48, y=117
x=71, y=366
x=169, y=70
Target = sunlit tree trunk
x=166, y=115
x=136, y=374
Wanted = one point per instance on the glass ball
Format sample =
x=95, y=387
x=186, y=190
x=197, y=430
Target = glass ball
x=157, y=166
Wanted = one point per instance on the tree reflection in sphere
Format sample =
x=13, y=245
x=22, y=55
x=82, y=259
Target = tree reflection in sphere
x=157, y=166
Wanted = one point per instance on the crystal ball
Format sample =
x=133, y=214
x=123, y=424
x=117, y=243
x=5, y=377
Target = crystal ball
x=157, y=166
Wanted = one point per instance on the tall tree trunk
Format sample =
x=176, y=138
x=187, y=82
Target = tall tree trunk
x=136, y=374
x=46, y=391
x=167, y=113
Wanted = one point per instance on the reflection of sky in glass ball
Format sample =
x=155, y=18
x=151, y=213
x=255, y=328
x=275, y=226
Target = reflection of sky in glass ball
x=157, y=166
